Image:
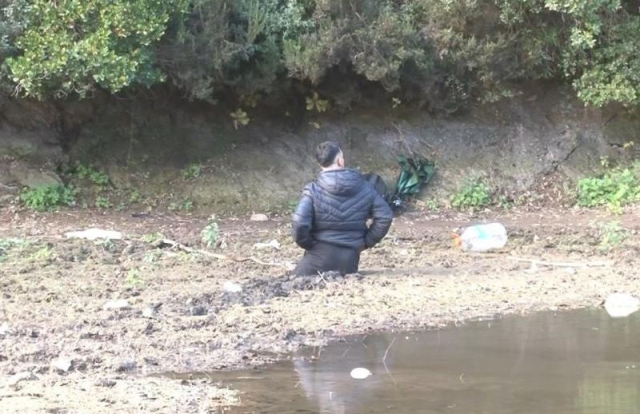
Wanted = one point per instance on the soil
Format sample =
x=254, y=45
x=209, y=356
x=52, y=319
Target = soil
x=181, y=317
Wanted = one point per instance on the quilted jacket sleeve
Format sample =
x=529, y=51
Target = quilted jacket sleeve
x=382, y=217
x=303, y=221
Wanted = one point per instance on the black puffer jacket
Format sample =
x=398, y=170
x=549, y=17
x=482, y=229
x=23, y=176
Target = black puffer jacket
x=335, y=208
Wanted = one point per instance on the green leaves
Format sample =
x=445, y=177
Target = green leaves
x=438, y=54
x=48, y=198
x=614, y=189
x=473, y=195
x=70, y=46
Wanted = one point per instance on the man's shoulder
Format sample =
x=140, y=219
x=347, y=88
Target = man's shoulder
x=309, y=188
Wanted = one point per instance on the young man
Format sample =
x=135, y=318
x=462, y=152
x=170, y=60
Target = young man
x=330, y=222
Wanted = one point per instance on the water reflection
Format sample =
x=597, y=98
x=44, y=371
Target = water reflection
x=572, y=362
x=328, y=383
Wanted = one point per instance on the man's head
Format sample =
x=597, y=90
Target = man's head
x=329, y=155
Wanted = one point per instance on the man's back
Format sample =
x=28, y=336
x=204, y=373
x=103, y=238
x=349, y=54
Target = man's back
x=334, y=209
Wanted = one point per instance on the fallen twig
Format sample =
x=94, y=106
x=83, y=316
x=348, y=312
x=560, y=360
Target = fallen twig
x=218, y=256
x=545, y=263
x=559, y=264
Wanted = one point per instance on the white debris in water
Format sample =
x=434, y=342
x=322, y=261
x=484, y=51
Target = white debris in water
x=231, y=287
x=621, y=305
x=360, y=373
x=94, y=234
x=273, y=244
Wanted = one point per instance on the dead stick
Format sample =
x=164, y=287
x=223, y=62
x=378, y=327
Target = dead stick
x=218, y=256
x=542, y=262
x=559, y=264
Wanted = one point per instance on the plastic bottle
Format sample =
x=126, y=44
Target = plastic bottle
x=482, y=237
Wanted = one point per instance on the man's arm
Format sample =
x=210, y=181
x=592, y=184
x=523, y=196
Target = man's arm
x=303, y=221
x=382, y=217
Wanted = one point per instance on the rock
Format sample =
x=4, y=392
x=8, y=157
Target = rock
x=104, y=382
x=360, y=373
x=127, y=366
x=94, y=234
x=621, y=305
x=21, y=376
x=5, y=330
x=273, y=244
x=259, y=217
x=198, y=311
x=5, y=200
x=62, y=365
x=231, y=287
x=117, y=304
x=32, y=177
x=150, y=313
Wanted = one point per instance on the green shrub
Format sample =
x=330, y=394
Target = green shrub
x=192, y=171
x=439, y=54
x=47, y=198
x=210, y=234
x=69, y=47
x=133, y=278
x=612, y=235
x=473, y=195
x=614, y=189
x=103, y=203
x=97, y=177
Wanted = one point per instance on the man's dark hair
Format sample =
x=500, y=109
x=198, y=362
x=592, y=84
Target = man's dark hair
x=327, y=152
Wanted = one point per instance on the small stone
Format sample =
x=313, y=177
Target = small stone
x=259, y=217
x=127, y=366
x=150, y=313
x=21, y=376
x=104, y=382
x=273, y=244
x=5, y=330
x=533, y=269
x=117, y=304
x=62, y=365
x=231, y=287
x=198, y=311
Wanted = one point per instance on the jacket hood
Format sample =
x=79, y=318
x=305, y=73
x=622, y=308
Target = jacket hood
x=341, y=182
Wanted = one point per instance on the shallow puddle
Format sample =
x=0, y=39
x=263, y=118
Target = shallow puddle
x=567, y=362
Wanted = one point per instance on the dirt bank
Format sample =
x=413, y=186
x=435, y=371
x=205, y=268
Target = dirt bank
x=162, y=152
x=178, y=317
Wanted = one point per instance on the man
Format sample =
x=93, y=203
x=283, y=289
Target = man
x=330, y=222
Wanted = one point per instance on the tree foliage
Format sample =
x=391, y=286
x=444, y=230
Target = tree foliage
x=442, y=54
x=71, y=45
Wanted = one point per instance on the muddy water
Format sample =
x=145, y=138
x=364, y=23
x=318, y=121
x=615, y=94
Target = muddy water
x=567, y=362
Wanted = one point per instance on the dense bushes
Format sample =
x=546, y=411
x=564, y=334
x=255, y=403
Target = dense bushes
x=442, y=54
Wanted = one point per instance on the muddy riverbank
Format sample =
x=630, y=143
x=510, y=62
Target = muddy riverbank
x=178, y=316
